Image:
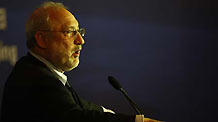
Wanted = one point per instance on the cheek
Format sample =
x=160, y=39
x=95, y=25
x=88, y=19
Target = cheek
x=62, y=46
x=67, y=47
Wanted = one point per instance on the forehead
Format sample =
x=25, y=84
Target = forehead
x=69, y=21
x=70, y=24
x=66, y=19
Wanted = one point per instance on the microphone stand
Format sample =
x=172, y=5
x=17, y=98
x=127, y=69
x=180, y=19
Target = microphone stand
x=133, y=104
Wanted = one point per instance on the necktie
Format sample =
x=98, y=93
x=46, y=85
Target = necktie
x=74, y=94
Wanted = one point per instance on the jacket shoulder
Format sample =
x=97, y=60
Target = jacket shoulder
x=29, y=69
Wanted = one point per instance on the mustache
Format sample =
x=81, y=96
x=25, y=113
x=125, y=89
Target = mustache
x=77, y=48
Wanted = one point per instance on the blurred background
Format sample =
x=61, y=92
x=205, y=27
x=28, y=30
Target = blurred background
x=163, y=52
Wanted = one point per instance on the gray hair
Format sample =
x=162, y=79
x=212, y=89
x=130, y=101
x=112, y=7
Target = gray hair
x=40, y=20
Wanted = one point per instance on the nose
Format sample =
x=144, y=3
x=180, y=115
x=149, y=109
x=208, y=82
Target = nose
x=79, y=40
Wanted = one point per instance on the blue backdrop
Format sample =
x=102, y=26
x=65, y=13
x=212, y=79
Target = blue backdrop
x=163, y=52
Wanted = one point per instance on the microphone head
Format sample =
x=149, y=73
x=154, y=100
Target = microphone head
x=114, y=83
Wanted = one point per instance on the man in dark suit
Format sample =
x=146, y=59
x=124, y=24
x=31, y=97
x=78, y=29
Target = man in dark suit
x=37, y=89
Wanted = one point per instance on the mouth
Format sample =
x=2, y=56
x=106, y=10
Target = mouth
x=76, y=53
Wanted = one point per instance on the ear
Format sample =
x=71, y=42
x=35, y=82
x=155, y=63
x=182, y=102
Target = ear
x=40, y=39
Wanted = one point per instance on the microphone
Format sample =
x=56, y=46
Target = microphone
x=117, y=86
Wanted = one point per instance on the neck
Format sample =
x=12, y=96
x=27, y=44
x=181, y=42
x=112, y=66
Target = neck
x=42, y=55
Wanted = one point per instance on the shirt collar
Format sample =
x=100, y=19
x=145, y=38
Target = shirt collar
x=61, y=76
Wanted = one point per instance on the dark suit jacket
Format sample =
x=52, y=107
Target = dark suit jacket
x=33, y=93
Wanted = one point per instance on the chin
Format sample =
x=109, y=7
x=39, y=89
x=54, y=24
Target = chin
x=72, y=66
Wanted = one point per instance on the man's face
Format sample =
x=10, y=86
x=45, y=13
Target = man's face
x=64, y=49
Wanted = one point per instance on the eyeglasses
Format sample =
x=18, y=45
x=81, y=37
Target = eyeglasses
x=71, y=33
